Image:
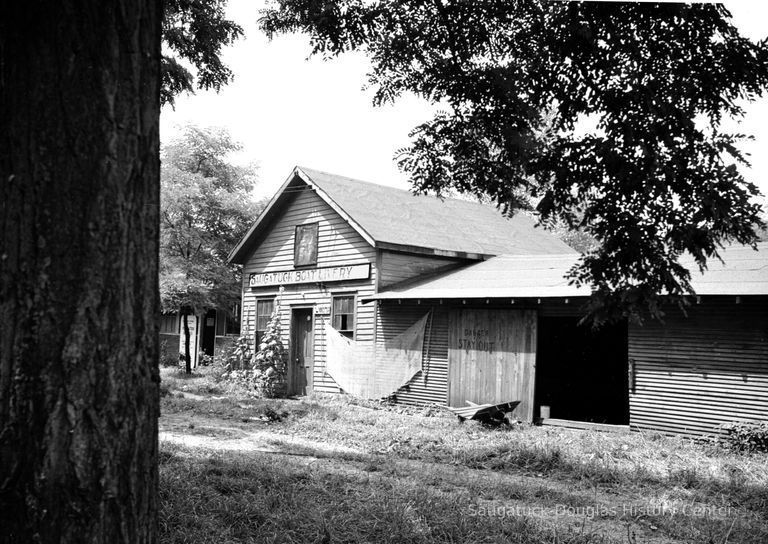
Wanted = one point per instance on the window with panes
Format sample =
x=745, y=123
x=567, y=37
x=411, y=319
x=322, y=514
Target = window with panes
x=264, y=308
x=343, y=315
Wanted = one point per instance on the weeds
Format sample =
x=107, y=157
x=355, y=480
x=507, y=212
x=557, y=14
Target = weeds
x=394, y=459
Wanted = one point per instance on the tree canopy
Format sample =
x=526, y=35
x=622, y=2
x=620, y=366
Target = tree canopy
x=194, y=32
x=205, y=208
x=657, y=176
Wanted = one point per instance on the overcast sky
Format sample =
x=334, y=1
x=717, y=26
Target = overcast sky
x=288, y=110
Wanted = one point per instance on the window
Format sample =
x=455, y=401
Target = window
x=169, y=324
x=233, y=321
x=343, y=316
x=228, y=323
x=305, y=245
x=264, y=310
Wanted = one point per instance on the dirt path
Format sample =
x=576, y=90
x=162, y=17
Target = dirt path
x=559, y=503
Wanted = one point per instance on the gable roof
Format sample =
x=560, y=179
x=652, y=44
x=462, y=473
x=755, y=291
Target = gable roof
x=390, y=218
x=743, y=272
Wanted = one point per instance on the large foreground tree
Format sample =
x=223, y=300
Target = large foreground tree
x=79, y=201
x=519, y=81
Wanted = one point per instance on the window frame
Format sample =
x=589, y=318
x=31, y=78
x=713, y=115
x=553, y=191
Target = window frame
x=233, y=326
x=258, y=333
x=350, y=333
x=164, y=319
x=312, y=261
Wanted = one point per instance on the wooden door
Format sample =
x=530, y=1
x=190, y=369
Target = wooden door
x=302, y=352
x=492, y=358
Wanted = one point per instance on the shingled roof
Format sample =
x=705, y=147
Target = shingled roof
x=743, y=271
x=391, y=218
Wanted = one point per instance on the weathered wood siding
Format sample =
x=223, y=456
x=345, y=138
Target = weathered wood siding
x=338, y=244
x=492, y=358
x=431, y=384
x=395, y=267
x=694, y=373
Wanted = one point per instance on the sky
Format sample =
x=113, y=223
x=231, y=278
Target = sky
x=287, y=109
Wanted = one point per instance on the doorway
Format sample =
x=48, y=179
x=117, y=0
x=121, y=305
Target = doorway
x=301, y=364
x=581, y=374
x=209, y=332
x=492, y=358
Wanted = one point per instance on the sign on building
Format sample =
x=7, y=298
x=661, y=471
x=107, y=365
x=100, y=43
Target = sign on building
x=311, y=275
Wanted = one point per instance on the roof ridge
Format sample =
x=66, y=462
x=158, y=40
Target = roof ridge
x=307, y=170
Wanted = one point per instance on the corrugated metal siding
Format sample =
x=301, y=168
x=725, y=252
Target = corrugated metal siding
x=338, y=244
x=395, y=267
x=694, y=373
x=431, y=384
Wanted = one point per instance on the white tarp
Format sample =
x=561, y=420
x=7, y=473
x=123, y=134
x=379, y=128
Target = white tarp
x=370, y=373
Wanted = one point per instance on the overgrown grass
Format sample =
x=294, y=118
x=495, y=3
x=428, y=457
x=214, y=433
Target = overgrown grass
x=221, y=497
x=389, y=457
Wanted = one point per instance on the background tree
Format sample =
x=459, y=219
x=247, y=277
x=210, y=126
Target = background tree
x=79, y=202
x=206, y=208
x=194, y=32
x=656, y=178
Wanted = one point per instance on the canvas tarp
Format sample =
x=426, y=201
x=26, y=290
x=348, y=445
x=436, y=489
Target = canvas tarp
x=363, y=371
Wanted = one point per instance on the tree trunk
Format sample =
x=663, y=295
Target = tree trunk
x=187, y=355
x=79, y=199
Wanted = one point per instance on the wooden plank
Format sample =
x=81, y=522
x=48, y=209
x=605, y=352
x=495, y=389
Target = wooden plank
x=586, y=425
x=491, y=358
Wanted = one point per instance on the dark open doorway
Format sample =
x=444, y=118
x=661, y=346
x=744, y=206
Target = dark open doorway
x=581, y=374
x=209, y=332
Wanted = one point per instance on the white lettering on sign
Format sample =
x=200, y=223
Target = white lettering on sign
x=311, y=275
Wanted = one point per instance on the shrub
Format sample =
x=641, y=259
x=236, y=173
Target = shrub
x=269, y=363
x=238, y=356
x=167, y=359
x=262, y=372
x=746, y=436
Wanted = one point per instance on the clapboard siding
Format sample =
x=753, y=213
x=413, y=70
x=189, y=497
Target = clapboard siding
x=431, y=384
x=694, y=373
x=338, y=244
x=395, y=267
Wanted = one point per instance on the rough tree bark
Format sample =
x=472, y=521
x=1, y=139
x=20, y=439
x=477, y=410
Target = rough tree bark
x=79, y=200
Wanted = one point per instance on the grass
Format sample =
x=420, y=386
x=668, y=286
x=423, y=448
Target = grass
x=328, y=468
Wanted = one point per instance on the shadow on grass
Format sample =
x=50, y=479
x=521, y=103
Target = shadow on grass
x=371, y=498
x=551, y=461
x=215, y=497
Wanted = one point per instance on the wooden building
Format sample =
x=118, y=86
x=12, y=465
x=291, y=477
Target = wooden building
x=371, y=261
x=211, y=333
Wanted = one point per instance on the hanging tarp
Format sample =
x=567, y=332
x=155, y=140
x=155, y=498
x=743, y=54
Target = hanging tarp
x=363, y=371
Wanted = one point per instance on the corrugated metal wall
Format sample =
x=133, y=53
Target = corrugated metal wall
x=431, y=384
x=338, y=244
x=694, y=373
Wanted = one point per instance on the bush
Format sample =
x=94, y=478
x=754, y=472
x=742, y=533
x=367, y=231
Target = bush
x=746, y=436
x=262, y=372
x=269, y=363
x=167, y=359
x=238, y=356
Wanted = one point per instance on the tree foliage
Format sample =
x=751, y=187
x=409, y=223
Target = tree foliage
x=194, y=32
x=657, y=177
x=205, y=209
